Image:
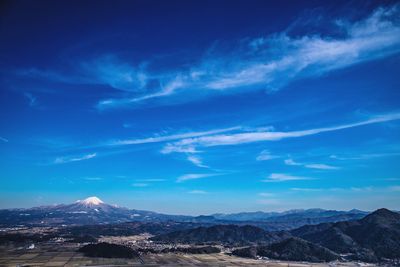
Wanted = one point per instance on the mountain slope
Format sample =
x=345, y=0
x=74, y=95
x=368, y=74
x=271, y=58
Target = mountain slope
x=292, y=249
x=375, y=237
x=226, y=234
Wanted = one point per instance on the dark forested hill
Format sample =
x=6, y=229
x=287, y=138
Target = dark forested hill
x=293, y=249
x=375, y=237
x=228, y=234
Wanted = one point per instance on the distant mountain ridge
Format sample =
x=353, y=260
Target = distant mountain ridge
x=93, y=210
x=283, y=216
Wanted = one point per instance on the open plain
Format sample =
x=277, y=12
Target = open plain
x=65, y=255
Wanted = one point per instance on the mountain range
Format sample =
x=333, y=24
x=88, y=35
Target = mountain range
x=373, y=238
x=92, y=210
x=301, y=235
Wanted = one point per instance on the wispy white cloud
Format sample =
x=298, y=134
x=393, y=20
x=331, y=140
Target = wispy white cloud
x=195, y=176
x=106, y=70
x=115, y=73
x=266, y=62
x=291, y=162
x=4, y=139
x=197, y=192
x=282, y=177
x=60, y=160
x=196, y=161
x=146, y=182
x=318, y=166
x=172, y=148
x=266, y=155
x=192, y=142
x=165, y=138
x=275, y=60
x=250, y=137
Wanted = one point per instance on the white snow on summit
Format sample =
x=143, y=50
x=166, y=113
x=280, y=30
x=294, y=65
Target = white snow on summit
x=91, y=201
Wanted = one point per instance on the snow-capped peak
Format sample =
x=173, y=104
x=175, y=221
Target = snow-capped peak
x=91, y=201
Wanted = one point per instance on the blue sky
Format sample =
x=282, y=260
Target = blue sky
x=196, y=107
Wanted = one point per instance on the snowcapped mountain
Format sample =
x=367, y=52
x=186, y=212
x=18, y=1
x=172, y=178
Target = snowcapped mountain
x=91, y=201
x=91, y=210
x=90, y=205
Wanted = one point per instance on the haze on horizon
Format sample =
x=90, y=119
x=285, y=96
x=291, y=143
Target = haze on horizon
x=201, y=107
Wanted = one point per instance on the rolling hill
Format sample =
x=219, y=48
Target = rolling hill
x=225, y=234
x=373, y=238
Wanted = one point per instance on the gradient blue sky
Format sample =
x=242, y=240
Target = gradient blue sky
x=195, y=107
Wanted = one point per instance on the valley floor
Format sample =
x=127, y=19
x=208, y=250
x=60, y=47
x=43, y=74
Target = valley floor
x=66, y=255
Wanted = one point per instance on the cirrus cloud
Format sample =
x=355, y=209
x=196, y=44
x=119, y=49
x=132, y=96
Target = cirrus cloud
x=251, y=137
x=282, y=177
x=195, y=176
x=61, y=160
x=257, y=63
